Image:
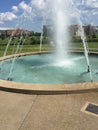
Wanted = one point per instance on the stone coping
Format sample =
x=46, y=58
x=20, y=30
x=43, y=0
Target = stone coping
x=44, y=89
x=44, y=52
x=22, y=54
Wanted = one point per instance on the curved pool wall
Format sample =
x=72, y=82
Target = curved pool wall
x=47, y=89
x=17, y=87
x=40, y=69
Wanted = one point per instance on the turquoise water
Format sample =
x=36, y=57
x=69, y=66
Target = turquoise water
x=45, y=69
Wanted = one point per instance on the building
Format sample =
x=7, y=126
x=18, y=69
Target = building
x=3, y=33
x=17, y=32
x=73, y=29
x=47, y=30
x=88, y=29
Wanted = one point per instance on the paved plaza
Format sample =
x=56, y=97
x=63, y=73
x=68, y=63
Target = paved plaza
x=46, y=112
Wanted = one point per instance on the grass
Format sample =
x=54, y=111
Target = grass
x=45, y=47
x=80, y=45
x=26, y=48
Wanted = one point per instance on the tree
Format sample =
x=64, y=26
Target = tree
x=94, y=35
x=2, y=36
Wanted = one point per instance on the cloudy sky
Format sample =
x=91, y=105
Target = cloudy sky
x=30, y=13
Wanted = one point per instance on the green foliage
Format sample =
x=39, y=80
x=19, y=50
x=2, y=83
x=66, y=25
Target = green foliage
x=45, y=40
x=34, y=40
x=93, y=36
x=90, y=38
x=37, y=34
x=76, y=39
x=2, y=36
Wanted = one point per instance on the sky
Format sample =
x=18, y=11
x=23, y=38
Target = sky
x=30, y=13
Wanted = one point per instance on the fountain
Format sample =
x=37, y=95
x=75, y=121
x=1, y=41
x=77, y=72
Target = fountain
x=59, y=67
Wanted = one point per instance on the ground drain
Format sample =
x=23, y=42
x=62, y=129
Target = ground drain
x=90, y=108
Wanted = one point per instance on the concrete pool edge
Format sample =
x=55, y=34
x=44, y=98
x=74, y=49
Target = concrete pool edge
x=44, y=52
x=17, y=87
x=11, y=86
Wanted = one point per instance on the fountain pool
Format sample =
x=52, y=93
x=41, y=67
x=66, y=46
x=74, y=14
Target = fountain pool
x=59, y=67
x=42, y=69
